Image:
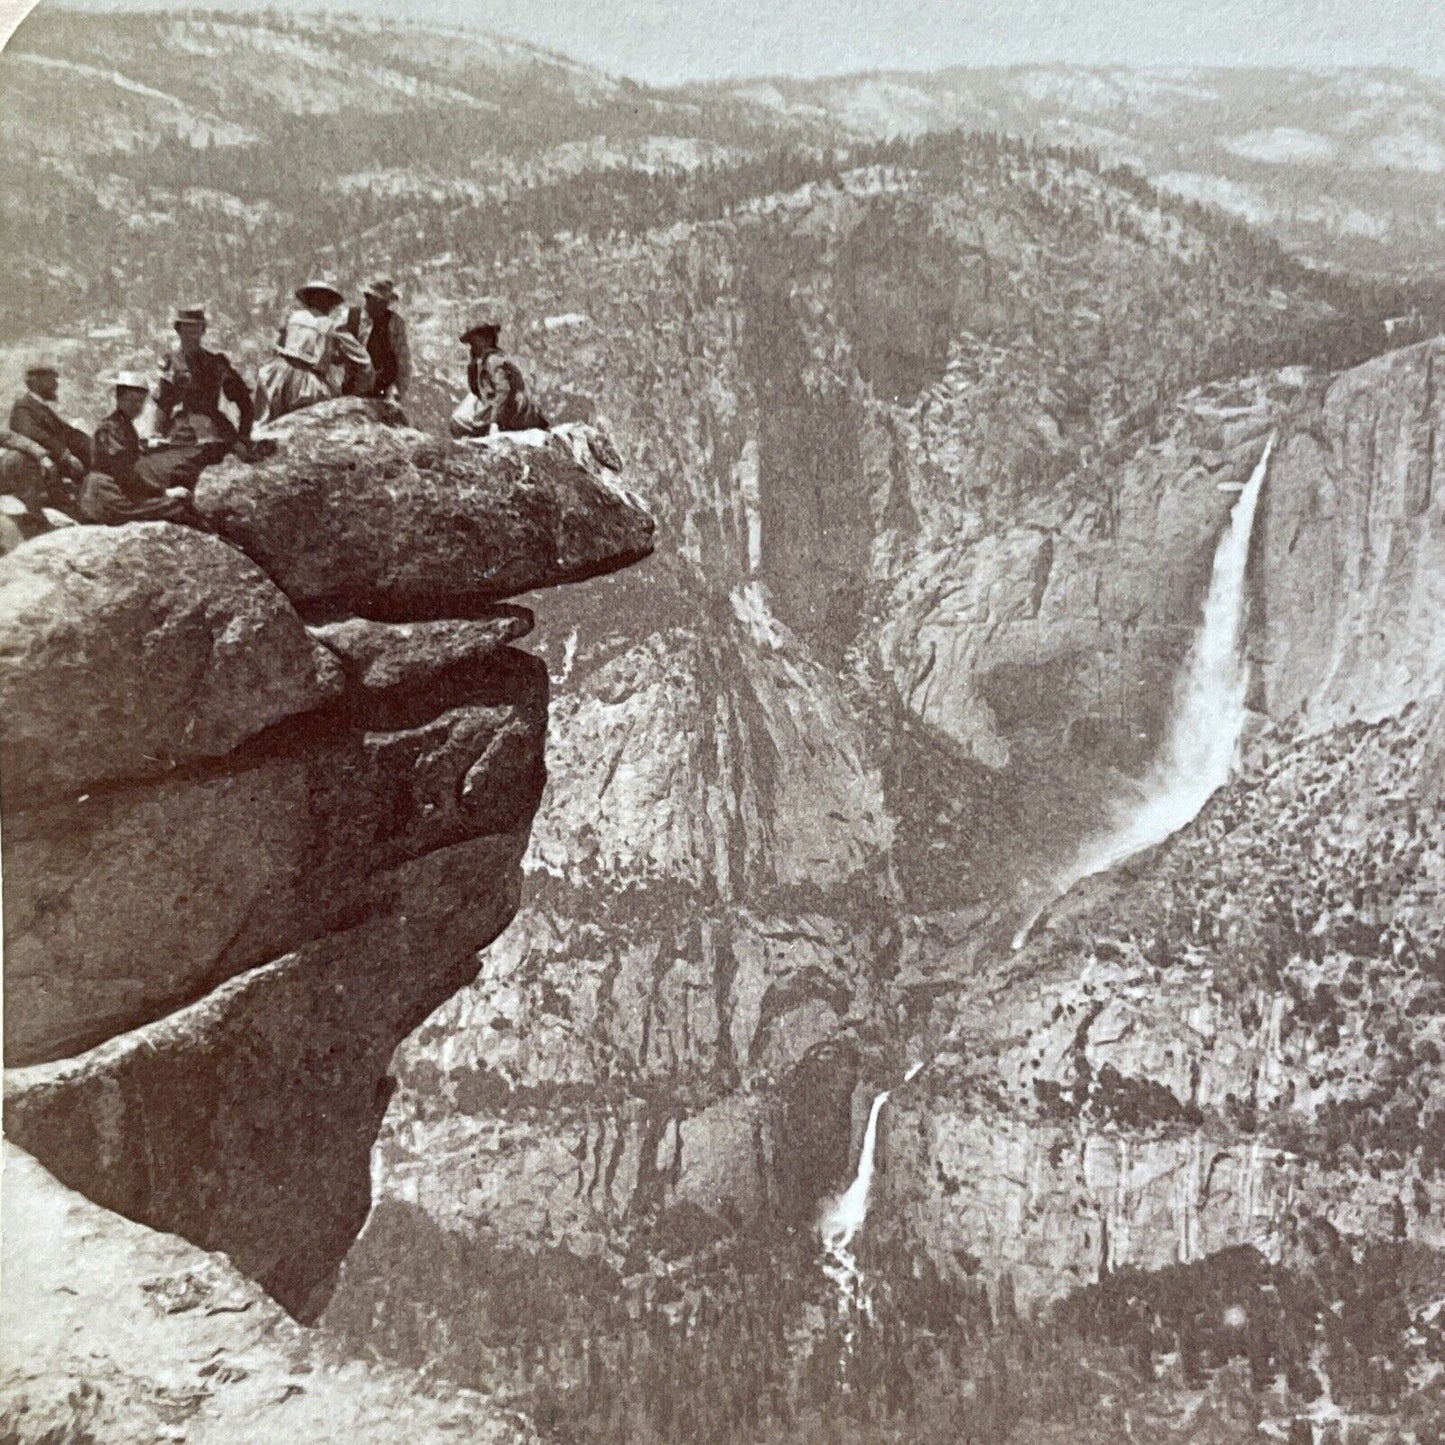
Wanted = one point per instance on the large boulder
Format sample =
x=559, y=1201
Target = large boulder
x=126, y=651
x=128, y=905
x=392, y=523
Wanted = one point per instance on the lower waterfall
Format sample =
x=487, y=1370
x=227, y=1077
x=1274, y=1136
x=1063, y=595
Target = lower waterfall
x=844, y=1216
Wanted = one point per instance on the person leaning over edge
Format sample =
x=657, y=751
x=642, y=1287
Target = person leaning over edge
x=123, y=486
x=497, y=392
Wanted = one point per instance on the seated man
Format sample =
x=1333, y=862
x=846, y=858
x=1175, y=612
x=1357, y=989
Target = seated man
x=33, y=419
x=124, y=486
x=193, y=381
x=499, y=396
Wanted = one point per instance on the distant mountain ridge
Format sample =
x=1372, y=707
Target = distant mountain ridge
x=1344, y=166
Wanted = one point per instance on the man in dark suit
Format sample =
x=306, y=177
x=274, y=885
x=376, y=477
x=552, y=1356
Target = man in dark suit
x=68, y=448
x=123, y=486
x=382, y=331
x=193, y=382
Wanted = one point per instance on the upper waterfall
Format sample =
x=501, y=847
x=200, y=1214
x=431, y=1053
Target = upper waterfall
x=1208, y=716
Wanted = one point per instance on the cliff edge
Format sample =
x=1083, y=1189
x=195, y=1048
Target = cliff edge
x=267, y=791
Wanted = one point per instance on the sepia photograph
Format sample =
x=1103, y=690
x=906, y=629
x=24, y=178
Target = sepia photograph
x=722, y=725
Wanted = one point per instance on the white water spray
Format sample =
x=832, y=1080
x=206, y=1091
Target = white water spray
x=844, y=1216
x=1209, y=714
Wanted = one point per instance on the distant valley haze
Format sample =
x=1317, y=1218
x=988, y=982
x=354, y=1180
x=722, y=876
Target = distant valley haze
x=663, y=42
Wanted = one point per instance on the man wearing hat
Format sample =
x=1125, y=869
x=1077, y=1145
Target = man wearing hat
x=498, y=394
x=193, y=380
x=383, y=334
x=124, y=487
x=316, y=357
x=65, y=447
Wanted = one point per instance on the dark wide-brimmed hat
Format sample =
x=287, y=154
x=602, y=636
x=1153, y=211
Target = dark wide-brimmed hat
x=189, y=316
x=321, y=292
x=481, y=331
x=383, y=288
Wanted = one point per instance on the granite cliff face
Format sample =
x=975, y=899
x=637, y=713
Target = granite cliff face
x=246, y=856
x=1350, y=574
x=1228, y=1043
x=1209, y=1050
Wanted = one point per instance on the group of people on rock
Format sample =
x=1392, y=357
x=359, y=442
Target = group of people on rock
x=52, y=473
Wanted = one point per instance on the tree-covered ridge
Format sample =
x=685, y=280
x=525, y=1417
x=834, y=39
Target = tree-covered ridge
x=1342, y=165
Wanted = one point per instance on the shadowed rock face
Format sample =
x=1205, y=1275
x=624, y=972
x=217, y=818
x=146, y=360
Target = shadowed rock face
x=382, y=655
x=249, y=859
x=142, y=897
x=397, y=524
x=245, y=1121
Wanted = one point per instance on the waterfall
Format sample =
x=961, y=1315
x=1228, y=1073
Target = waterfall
x=844, y=1216
x=1208, y=718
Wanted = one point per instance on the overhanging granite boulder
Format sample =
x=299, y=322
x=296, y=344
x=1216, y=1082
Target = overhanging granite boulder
x=391, y=523
x=126, y=651
x=243, y=858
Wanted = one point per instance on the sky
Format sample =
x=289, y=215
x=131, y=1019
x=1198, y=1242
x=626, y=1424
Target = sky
x=663, y=41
